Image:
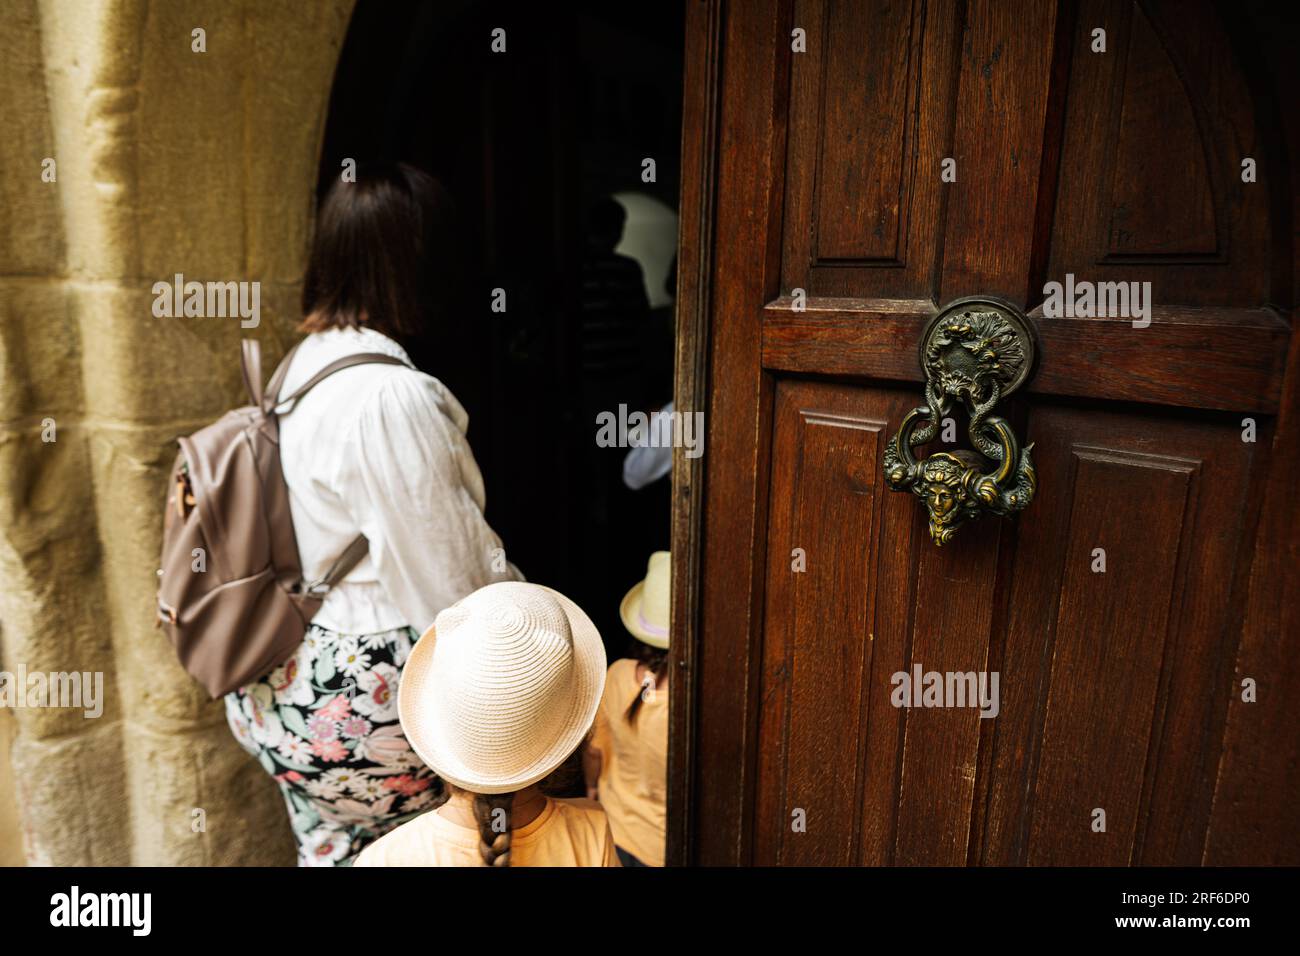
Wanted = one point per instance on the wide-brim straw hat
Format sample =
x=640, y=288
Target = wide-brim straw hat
x=503, y=687
x=645, y=608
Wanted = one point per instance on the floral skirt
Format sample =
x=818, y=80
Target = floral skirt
x=324, y=725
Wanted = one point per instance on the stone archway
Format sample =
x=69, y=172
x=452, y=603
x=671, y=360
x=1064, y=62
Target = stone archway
x=167, y=161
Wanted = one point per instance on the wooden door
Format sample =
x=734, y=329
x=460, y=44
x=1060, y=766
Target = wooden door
x=819, y=236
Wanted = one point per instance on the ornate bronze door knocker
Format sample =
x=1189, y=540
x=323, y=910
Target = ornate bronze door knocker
x=977, y=350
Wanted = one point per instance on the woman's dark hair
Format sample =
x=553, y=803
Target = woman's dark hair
x=381, y=243
x=655, y=660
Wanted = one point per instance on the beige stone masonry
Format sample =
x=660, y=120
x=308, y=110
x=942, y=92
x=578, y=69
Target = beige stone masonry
x=168, y=161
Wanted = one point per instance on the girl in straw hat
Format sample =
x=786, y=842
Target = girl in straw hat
x=626, y=760
x=496, y=694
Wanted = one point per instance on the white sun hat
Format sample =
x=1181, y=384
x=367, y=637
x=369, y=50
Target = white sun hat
x=645, y=608
x=503, y=687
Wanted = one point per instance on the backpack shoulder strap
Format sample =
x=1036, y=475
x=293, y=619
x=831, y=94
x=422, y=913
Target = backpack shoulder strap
x=338, y=365
x=277, y=377
x=251, y=363
x=357, y=549
x=271, y=397
x=359, y=546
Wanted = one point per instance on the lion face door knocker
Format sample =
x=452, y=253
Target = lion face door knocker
x=976, y=351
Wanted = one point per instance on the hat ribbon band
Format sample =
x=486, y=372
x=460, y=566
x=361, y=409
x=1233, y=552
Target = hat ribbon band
x=654, y=629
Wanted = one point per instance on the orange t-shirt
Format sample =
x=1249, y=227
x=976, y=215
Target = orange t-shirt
x=634, y=763
x=566, y=833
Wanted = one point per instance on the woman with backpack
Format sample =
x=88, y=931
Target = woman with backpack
x=379, y=450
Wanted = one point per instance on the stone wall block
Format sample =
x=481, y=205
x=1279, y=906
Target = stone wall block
x=91, y=57
x=73, y=794
x=12, y=837
x=131, y=466
x=243, y=822
x=31, y=233
x=292, y=55
x=197, y=106
x=52, y=605
x=183, y=370
x=154, y=371
x=40, y=355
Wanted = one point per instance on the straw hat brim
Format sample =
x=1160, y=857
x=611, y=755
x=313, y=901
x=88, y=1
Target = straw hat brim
x=630, y=611
x=437, y=750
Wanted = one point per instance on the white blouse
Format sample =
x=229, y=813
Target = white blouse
x=381, y=449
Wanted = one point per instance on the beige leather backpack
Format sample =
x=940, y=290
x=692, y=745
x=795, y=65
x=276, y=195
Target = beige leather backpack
x=230, y=594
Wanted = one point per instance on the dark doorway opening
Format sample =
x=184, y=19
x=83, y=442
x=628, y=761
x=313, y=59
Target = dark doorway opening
x=529, y=142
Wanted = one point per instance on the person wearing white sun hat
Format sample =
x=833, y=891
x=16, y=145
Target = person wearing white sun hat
x=495, y=696
x=626, y=760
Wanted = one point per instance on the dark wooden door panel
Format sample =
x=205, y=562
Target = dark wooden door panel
x=1004, y=107
x=1111, y=681
x=1115, y=684
x=825, y=515
x=1155, y=134
x=952, y=617
x=894, y=785
x=863, y=202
